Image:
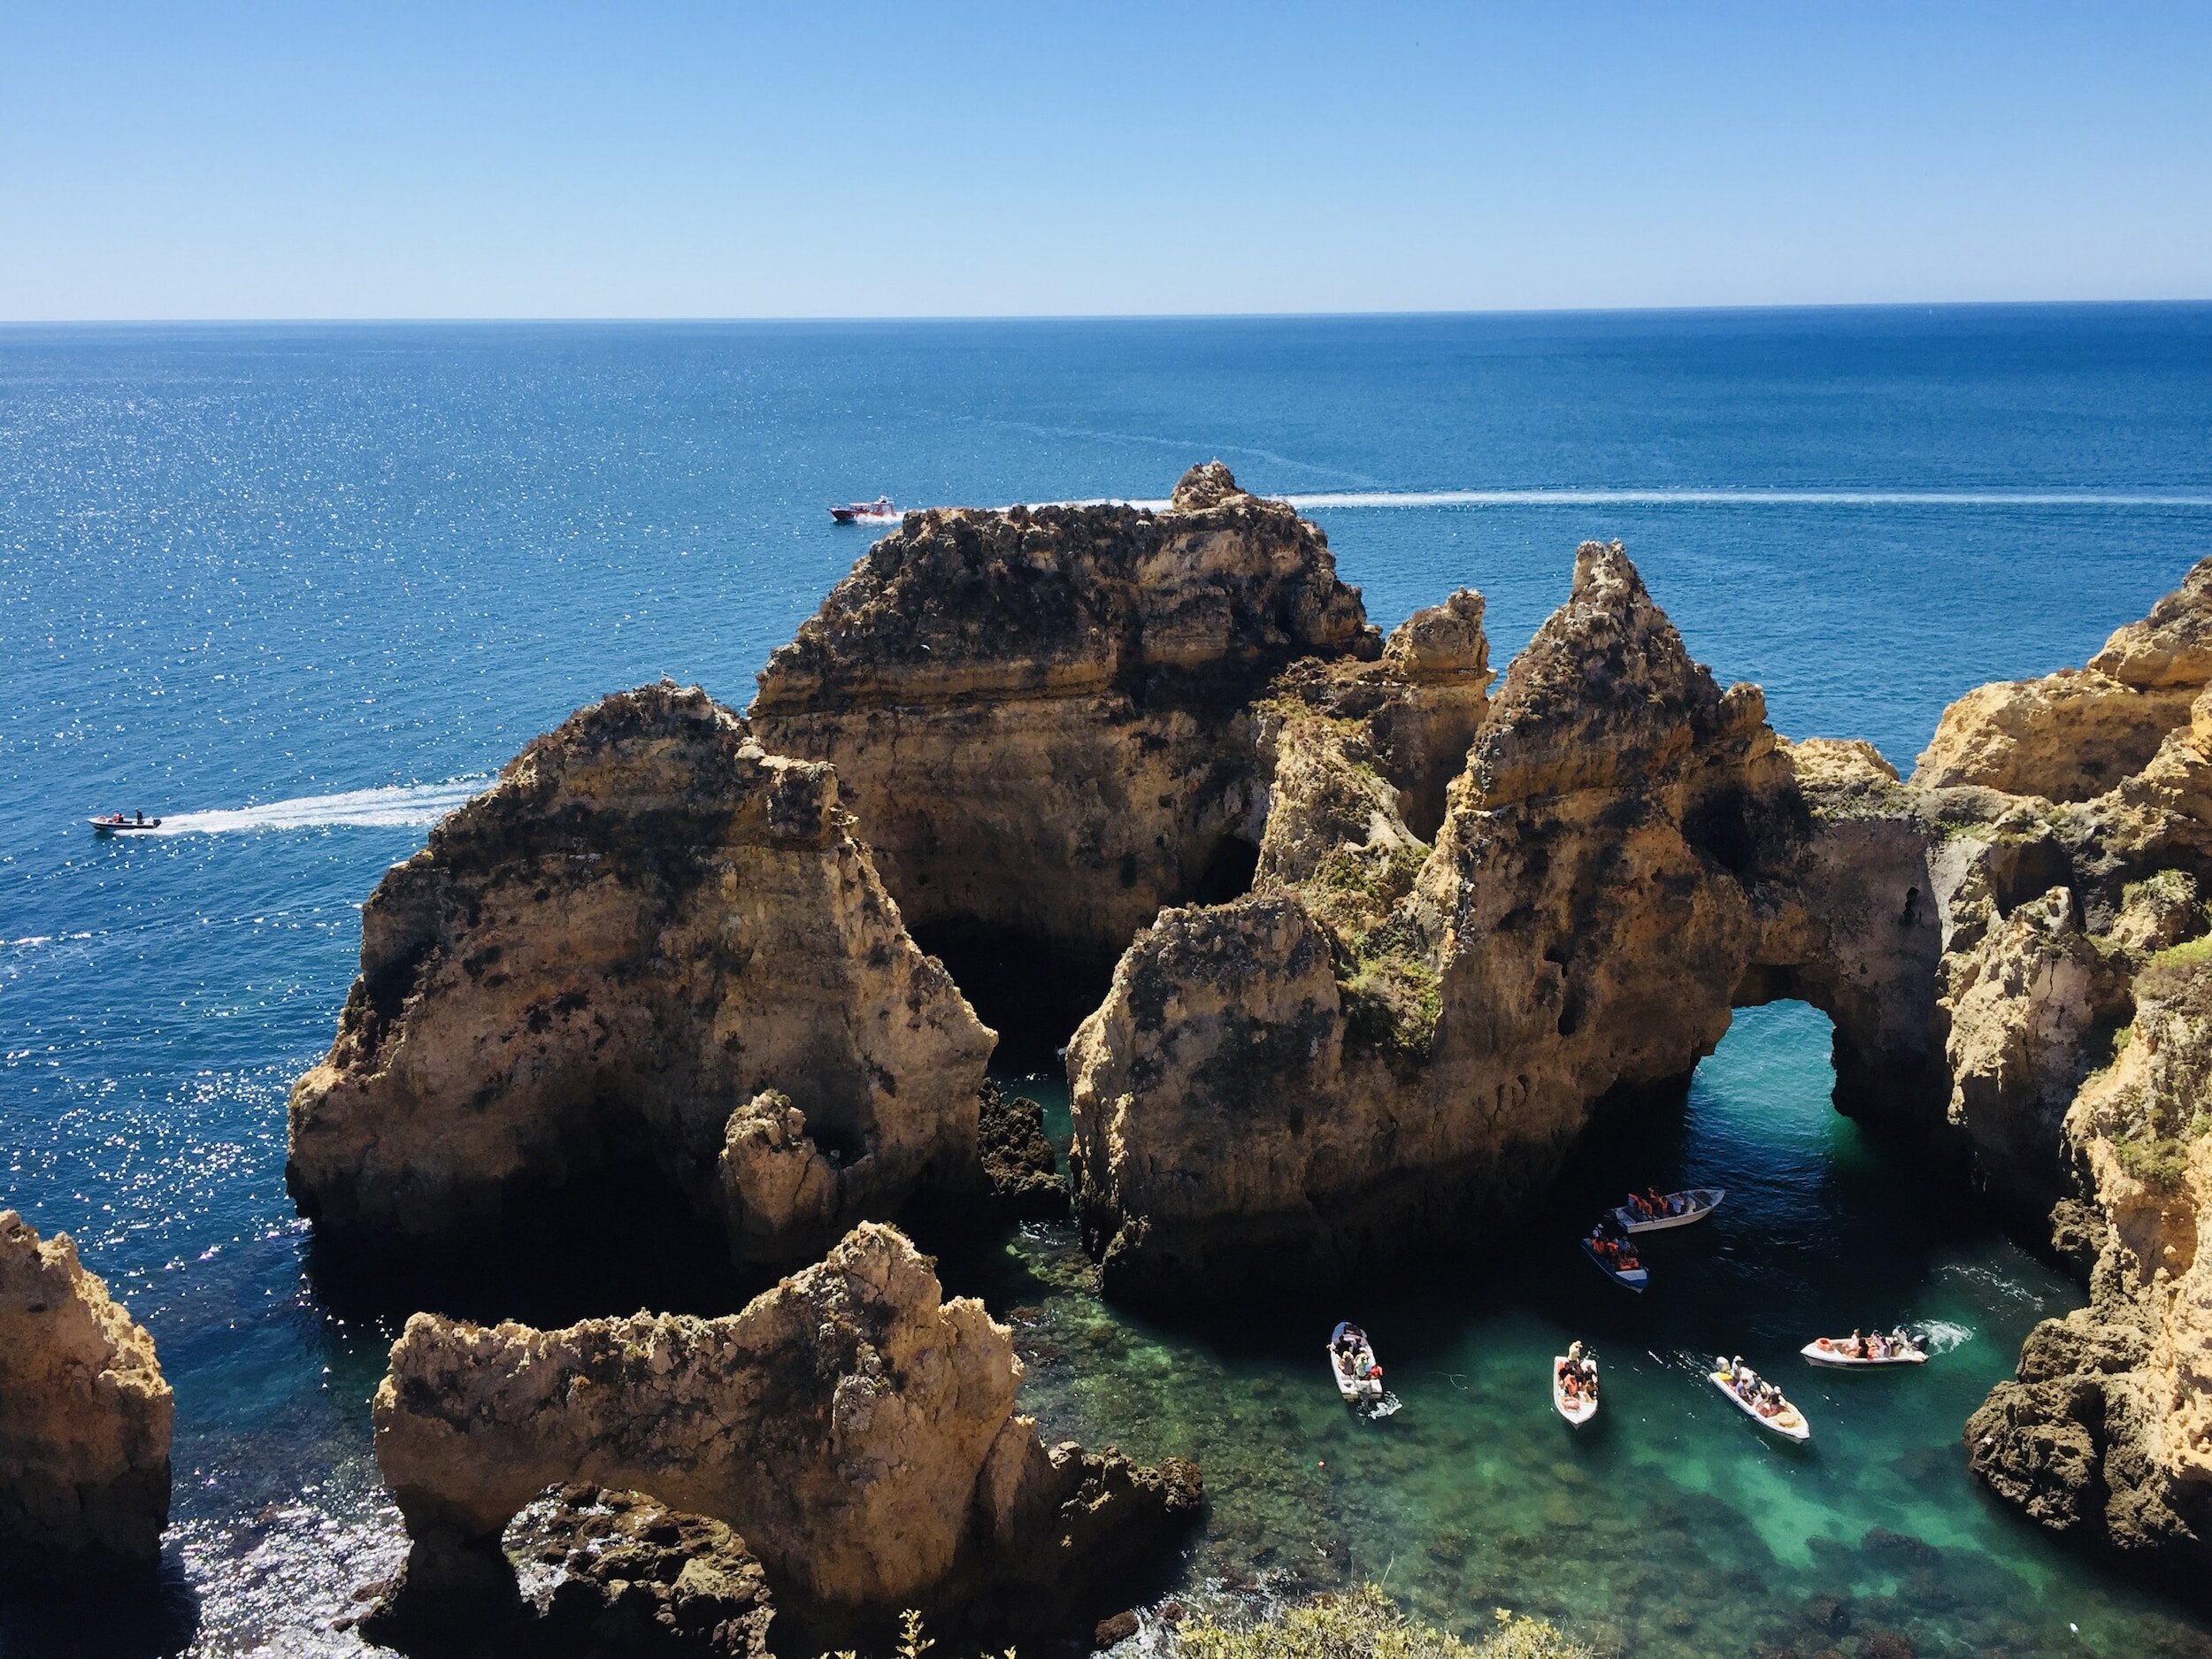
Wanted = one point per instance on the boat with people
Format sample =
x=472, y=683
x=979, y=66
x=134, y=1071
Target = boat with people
x=876, y=511
x=123, y=824
x=1654, y=1211
x=1352, y=1365
x=1616, y=1260
x=1574, y=1384
x=1860, y=1351
x=1759, y=1400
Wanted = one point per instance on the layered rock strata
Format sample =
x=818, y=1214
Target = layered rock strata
x=85, y=1421
x=1042, y=716
x=650, y=940
x=857, y=1430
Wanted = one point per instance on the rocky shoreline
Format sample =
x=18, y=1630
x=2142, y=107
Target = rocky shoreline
x=1367, y=945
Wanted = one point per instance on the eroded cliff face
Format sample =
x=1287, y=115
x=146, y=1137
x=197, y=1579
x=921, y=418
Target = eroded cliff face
x=1041, y=716
x=1384, y=1039
x=85, y=1421
x=2107, y=1433
x=857, y=1430
x=649, y=940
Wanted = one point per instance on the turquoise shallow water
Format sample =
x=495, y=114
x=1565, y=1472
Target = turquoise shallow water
x=307, y=584
x=1672, y=1525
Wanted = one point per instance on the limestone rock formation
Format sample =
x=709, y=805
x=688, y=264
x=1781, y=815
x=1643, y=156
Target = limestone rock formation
x=1041, y=716
x=85, y=1420
x=652, y=940
x=2076, y=733
x=636, y=1578
x=1018, y=1163
x=1383, y=1040
x=2108, y=1431
x=859, y=1433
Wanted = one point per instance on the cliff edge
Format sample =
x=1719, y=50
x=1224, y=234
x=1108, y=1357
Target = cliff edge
x=85, y=1421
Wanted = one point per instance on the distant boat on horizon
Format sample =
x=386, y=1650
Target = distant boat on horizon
x=876, y=511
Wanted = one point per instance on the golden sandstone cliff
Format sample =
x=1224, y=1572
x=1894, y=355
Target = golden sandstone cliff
x=650, y=940
x=1039, y=717
x=1388, y=945
x=85, y=1420
x=1389, y=1041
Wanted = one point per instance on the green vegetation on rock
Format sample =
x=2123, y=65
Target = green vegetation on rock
x=1366, y=1625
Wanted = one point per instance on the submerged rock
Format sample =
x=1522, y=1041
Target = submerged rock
x=856, y=1429
x=85, y=1421
x=649, y=940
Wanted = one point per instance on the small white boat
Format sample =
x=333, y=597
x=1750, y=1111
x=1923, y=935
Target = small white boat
x=1835, y=1351
x=1628, y=1277
x=1357, y=1375
x=876, y=511
x=116, y=824
x=1788, y=1421
x=1697, y=1204
x=1577, y=1411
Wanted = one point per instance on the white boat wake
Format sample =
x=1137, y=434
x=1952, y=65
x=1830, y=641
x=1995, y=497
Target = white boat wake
x=1748, y=498
x=1943, y=1335
x=393, y=806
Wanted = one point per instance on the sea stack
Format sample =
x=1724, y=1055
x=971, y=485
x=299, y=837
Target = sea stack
x=650, y=940
x=857, y=1430
x=85, y=1422
x=1042, y=718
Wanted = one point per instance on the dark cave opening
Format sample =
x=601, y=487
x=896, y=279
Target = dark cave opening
x=1033, y=990
x=1229, y=872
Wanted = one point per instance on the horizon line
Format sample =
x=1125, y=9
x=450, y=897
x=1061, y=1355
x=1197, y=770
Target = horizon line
x=701, y=318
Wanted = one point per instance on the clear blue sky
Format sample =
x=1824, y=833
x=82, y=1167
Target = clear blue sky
x=313, y=160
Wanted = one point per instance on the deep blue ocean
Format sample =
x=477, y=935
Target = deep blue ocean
x=298, y=589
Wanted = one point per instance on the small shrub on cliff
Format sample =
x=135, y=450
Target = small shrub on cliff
x=2177, y=959
x=1366, y=1625
x=2157, y=1161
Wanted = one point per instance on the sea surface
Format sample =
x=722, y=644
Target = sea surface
x=299, y=590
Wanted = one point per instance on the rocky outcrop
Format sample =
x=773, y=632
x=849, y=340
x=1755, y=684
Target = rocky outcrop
x=1042, y=716
x=1019, y=1163
x=85, y=1421
x=1384, y=1041
x=2074, y=734
x=859, y=1433
x=650, y=940
x=2107, y=1433
x=634, y=1577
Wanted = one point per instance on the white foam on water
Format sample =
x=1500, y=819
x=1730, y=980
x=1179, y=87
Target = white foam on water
x=1943, y=1335
x=393, y=806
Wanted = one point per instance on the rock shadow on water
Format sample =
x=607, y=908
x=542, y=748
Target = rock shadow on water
x=46, y=1622
x=557, y=1258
